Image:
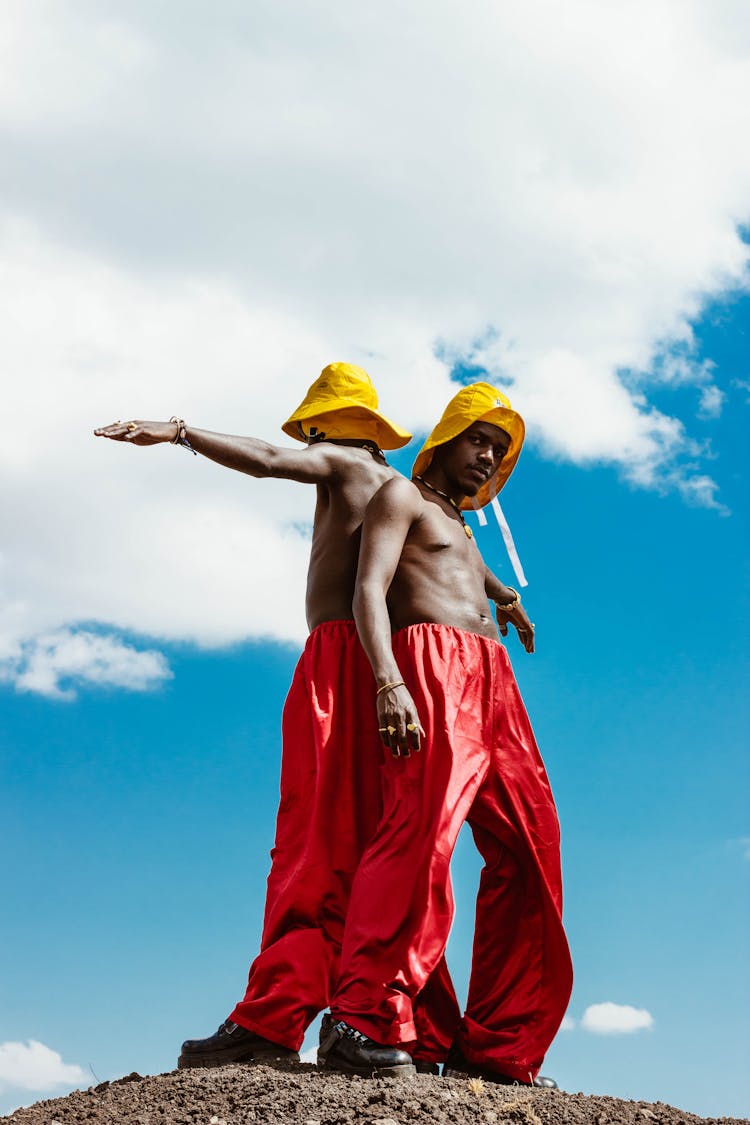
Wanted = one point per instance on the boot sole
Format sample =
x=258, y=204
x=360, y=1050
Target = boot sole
x=497, y=1080
x=406, y=1070
x=187, y=1062
x=486, y=1076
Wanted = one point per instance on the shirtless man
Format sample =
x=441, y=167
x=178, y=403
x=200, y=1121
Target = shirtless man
x=330, y=789
x=458, y=747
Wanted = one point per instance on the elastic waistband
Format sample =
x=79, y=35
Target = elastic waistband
x=338, y=626
x=448, y=631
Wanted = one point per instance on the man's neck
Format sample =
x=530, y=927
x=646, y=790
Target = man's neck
x=358, y=443
x=435, y=478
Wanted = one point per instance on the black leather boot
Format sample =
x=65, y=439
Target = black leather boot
x=420, y=1065
x=456, y=1066
x=232, y=1044
x=348, y=1051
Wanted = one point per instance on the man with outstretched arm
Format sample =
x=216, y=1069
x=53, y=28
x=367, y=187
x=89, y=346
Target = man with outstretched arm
x=330, y=796
x=457, y=746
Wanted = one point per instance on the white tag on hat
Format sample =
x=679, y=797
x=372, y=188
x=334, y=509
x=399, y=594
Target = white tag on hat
x=510, y=546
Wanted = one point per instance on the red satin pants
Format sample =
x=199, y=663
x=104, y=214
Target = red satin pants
x=479, y=763
x=330, y=806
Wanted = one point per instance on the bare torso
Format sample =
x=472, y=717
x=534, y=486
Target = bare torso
x=337, y=530
x=440, y=576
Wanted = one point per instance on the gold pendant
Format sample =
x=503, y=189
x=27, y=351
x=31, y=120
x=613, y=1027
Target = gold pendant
x=469, y=532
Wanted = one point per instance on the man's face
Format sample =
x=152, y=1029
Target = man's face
x=473, y=458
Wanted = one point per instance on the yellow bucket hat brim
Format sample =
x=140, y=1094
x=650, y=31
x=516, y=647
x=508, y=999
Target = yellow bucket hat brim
x=478, y=402
x=344, y=399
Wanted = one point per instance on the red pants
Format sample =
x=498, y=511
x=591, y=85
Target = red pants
x=479, y=763
x=330, y=807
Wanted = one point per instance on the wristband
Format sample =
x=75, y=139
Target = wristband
x=180, y=438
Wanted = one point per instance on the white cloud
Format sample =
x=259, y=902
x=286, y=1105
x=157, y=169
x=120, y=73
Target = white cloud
x=711, y=402
x=700, y=490
x=32, y=1066
x=568, y=1024
x=615, y=1019
x=51, y=664
x=199, y=211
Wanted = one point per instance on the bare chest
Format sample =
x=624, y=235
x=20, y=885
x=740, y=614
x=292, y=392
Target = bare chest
x=447, y=542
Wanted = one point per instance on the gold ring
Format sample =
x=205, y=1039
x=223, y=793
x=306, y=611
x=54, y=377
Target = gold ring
x=132, y=426
x=411, y=726
x=391, y=730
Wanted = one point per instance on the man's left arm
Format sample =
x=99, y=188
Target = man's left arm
x=505, y=596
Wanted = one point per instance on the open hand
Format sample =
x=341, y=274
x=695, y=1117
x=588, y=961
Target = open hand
x=398, y=722
x=139, y=433
x=518, y=618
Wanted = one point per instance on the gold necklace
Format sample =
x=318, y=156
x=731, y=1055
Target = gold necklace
x=452, y=502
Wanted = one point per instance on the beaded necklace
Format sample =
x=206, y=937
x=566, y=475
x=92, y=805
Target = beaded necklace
x=451, y=501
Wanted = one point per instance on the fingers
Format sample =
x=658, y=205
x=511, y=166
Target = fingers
x=502, y=621
x=388, y=732
x=414, y=734
x=526, y=636
x=400, y=737
x=399, y=726
x=391, y=726
x=388, y=736
x=118, y=431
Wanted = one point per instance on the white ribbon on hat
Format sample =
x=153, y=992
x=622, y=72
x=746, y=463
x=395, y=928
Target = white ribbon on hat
x=505, y=531
x=510, y=546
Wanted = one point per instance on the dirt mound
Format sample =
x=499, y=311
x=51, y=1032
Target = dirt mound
x=236, y=1095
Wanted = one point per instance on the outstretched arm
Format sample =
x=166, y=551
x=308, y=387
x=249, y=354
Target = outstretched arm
x=390, y=514
x=503, y=595
x=311, y=465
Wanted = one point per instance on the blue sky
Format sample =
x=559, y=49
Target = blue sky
x=194, y=220
x=140, y=822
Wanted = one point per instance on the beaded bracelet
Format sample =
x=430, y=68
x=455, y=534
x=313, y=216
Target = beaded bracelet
x=180, y=438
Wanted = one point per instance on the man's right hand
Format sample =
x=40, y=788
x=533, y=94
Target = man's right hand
x=398, y=722
x=139, y=433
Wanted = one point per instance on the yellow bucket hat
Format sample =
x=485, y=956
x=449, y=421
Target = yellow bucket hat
x=479, y=402
x=343, y=403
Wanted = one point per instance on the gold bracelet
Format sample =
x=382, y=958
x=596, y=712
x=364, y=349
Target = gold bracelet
x=508, y=607
x=387, y=687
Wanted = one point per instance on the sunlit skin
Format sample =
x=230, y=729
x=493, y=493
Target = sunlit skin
x=418, y=565
x=346, y=477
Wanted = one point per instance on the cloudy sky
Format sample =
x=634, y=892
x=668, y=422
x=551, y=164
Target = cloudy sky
x=200, y=206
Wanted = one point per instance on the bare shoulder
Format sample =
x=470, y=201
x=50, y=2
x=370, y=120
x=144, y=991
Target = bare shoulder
x=327, y=457
x=340, y=463
x=397, y=495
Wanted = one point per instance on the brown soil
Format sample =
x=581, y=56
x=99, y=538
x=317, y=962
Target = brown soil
x=251, y=1095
